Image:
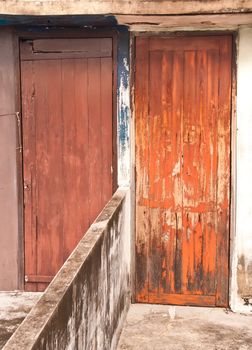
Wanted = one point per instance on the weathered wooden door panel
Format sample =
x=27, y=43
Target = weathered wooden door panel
x=67, y=140
x=183, y=88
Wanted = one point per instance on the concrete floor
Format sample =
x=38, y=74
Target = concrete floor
x=160, y=327
x=14, y=306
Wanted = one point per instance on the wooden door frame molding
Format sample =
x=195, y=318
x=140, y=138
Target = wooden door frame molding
x=56, y=33
x=232, y=202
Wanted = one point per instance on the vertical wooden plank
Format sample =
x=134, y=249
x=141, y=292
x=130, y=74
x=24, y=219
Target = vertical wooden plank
x=198, y=195
x=210, y=158
x=198, y=170
x=81, y=151
x=106, y=128
x=189, y=171
x=75, y=151
x=155, y=122
x=170, y=168
x=142, y=168
x=69, y=157
x=177, y=167
x=202, y=152
x=29, y=159
x=223, y=187
x=49, y=168
x=94, y=136
x=167, y=216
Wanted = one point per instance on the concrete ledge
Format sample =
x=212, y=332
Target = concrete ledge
x=150, y=7
x=83, y=306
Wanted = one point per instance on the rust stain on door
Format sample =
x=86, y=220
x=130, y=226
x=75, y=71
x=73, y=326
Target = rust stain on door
x=67, y=137
x=183, y=102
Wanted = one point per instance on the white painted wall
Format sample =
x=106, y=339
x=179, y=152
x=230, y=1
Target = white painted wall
x=241, y=284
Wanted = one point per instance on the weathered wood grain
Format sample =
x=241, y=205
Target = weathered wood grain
x=156, y=23
x=142, y=170
x=183, y=169
x=28, y=169
x=67, y=131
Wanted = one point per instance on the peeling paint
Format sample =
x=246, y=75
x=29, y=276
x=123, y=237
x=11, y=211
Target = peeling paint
x=176, y=169
x=179, y=225
x=123, y=109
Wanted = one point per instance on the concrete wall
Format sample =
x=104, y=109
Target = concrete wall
x=241, y=287
x=62, y=7
x=8, y=172
x=85, y=305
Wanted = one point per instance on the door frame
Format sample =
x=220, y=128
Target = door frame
x=56, y=33
x=232, y=201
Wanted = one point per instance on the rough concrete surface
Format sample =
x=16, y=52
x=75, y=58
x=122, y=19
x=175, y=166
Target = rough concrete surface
x=14, y=306
x=73, y=7
x=85, y=305
x=160, y=327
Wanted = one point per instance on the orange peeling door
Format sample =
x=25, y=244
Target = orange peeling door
x=67, y=140
x=182, y=95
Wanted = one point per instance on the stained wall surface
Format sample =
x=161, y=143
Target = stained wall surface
x=241, y=287
x=72, y=7
x=8, y=172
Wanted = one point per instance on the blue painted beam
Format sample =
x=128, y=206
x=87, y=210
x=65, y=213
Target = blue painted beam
x=78, y=20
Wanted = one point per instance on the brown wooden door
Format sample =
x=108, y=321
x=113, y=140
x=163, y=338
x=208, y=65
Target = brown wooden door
x=183, y=88
x=67, y=141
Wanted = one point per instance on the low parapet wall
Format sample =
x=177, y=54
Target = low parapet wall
x=85, y=305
